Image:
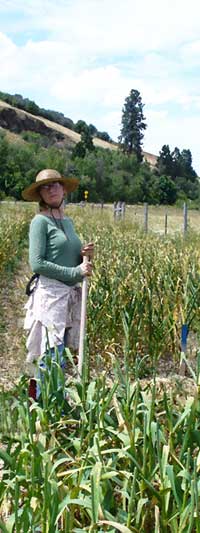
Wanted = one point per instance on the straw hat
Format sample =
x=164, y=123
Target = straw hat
x=32, y=193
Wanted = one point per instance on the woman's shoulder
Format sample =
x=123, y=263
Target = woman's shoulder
x=68, y=219
x=39, y=220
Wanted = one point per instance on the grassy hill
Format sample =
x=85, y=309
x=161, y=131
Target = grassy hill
x=70, y=136
x=16, y=121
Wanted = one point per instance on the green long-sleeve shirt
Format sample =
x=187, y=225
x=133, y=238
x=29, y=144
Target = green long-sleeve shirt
x=52, y=253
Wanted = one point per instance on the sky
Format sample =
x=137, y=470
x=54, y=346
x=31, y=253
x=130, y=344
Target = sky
x=83, y=57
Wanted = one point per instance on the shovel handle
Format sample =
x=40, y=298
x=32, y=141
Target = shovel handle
x=83, y=321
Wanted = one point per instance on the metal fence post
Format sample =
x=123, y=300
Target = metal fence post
x=185, y=218
x=123, y=210
x=114, y=209
x=146, y=217
x=166, y=223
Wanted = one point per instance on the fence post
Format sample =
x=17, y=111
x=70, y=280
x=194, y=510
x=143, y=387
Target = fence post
x=185, y=218
x=123, y=210
x=166, y=223
x=117, y=210
x=146, y=218
x=114, y=209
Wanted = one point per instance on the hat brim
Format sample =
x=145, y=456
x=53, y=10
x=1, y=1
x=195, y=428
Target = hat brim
x=32, y=194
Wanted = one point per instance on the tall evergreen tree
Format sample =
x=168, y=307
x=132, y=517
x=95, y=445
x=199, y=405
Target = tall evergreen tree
x=175, y=164
x=165, y=161
x=85, y=144
x=132, y=125
x=188, y=170
x=81, y=126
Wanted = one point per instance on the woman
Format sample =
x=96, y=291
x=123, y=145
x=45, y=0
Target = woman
x=56, y=257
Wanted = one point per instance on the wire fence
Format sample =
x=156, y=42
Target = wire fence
x=160, y=219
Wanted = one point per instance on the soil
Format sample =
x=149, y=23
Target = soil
x=12, y=338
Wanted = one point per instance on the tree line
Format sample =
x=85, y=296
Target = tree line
x=107, y=175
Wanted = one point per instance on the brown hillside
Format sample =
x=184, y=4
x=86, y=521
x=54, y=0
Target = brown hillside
x=150, y=158
x=16, y=120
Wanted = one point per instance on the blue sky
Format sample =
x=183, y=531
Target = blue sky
x=83, y=57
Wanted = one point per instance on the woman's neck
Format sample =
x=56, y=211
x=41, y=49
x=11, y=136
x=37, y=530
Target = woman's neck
x=53, y=212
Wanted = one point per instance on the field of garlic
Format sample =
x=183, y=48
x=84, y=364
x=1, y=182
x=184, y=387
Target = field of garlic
x=112, y=452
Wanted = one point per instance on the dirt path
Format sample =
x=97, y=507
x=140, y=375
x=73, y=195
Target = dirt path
x=12, y=338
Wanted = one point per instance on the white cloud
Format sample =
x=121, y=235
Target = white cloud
x=9, y=57
x=83, y=57
x=7, y=46
x=175, y=131
x=158, y=115
x=190, y=54
x=104, y=27
x=37, y=64
x=103, y=84
x=110, y=121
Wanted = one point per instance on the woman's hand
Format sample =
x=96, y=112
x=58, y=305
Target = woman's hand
x=86, y=268
x=88, y=250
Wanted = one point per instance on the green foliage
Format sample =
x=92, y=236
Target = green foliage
x=86, y=139
x=132, y=125
x=178, y=167
x=4, y=152
x=164, y=190
x=110, y=453
x=165, y=161
x=80, y=126
x=36, y=138
x=32, y=108
x=13, y=233
x=93, y=130
x=86, y=143
x=108, y=175
x=143, y=287
x=120, y=457
x=79, y=150
x=19, y=163
x=104, y=136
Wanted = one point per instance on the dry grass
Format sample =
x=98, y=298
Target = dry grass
x=13, y=137
x=70, y=134
x=156, y=217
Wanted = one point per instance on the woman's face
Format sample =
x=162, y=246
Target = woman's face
x=52, y=193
